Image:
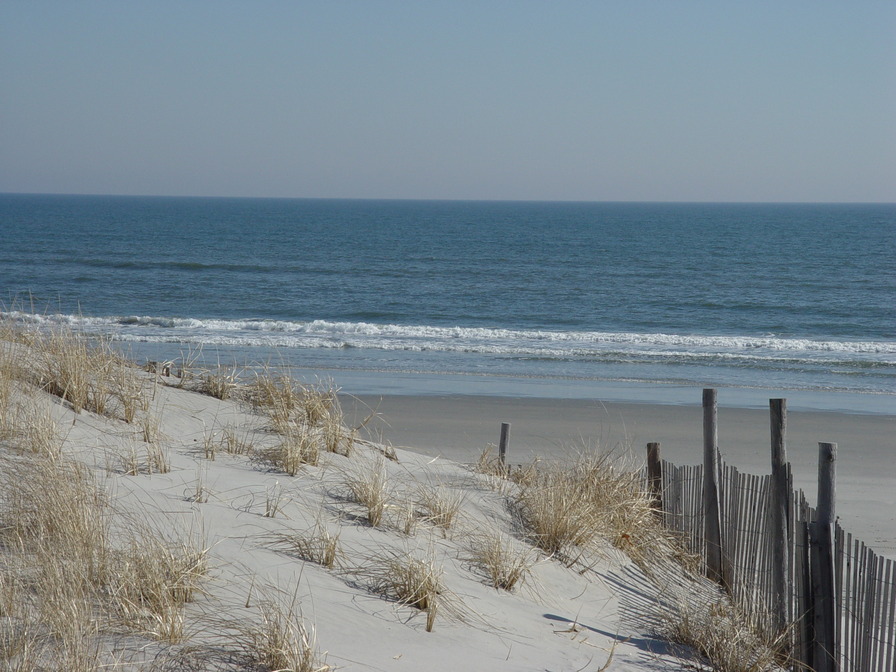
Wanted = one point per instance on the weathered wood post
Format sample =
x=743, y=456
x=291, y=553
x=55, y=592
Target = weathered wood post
x=781, y=525
x=822, y=549
x=655, y=478
x=502, y=444
x=712, y=517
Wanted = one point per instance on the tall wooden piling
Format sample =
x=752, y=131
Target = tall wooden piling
x=781, y=524
x=822, y=550
x=712, y=520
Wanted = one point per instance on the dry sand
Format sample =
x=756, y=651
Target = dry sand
x=459, y=427
x=559, y=619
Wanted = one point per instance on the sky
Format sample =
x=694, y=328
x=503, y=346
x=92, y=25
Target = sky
x=596, y=101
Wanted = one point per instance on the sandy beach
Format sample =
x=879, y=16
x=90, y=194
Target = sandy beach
x=198, y=523
x=215, y=550
x=459, y=427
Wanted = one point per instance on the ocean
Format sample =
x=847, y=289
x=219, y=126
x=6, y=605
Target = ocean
x=612, y=301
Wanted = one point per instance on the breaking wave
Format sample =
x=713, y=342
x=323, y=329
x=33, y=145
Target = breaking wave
x=748, y=350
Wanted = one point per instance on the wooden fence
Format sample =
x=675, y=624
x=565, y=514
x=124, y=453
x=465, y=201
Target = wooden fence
x=849, y=626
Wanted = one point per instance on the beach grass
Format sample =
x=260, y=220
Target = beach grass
x=77, y=570
x=319, y=545
x=83, y=573
x=722, y=633
x=297, y=447
x=573, y=509
x=504, y=562
x=438, y=504
x=410, y=578
x=281, y=640
x=367, y=484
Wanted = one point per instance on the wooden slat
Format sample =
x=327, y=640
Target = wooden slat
x=805, y=604
x=838, y=586
x=862, y=595
x=864, y=584
x=880, y=611
x=846, y=596
x=884, y=597
x=890, y=662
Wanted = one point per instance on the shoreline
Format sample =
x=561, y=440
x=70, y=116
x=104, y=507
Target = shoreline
x=392, y=377
x=458, y=427
x=365, y=383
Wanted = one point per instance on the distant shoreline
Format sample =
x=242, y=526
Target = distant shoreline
x=375, y=382
x=386, y=383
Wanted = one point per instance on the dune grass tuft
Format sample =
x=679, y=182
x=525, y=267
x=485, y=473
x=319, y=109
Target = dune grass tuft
x=273, y=500
x=569, y=510
x=367, y=484
x=319, y=545
x=85, y=577
x=721, y=633
x=438, y=505
x=281, y=640
x=219, y=382
x=495, y=555
x=150, y=426
x=152, y=581
x=201, y=491
x=489, y=463
x=236, y=441
x=88, y=374
x=9, y=376
x=129, y=389
x=277, y=396
x=312, y=409
x=230, y=439
x=55, y=504
x=37, y=430
x=308, y=418
x=67, y=362
x=298, y=447
x=406, y=578
x=556, y=515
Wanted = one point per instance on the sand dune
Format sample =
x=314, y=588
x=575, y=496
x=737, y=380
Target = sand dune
x=185, y=482
x=152, y=522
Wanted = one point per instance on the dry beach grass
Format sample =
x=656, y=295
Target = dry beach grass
x=146, y=527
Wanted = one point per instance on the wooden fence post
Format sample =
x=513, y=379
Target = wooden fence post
x=781, y=524
x=822, y=548
x=655, y=478
x=712, y=518
x=502, y=445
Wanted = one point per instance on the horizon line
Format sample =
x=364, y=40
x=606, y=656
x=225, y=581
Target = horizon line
x=441, y=200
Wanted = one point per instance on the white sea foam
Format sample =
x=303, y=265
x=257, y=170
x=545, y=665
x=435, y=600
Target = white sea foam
x=617, y=346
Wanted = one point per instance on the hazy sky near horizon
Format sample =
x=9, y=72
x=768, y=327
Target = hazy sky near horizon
x=634, y=100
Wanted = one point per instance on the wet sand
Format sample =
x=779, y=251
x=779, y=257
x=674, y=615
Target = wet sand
x=458, y=427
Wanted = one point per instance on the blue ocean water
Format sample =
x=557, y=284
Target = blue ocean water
x=552, y=299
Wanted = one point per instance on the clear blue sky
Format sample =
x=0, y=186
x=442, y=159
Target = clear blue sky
x=625, y=100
